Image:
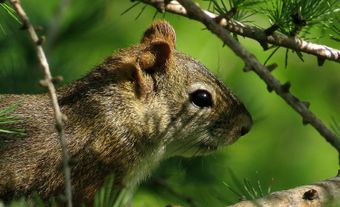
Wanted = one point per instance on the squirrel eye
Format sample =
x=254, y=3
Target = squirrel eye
x=201, y=98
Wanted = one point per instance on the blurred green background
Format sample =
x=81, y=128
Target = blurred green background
x=279, y=152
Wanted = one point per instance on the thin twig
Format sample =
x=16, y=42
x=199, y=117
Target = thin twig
x=47, y=82
x=192, y=11
x=258, y=34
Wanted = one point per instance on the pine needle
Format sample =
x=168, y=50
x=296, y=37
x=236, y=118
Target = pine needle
x=131, y=7
x=7, y=120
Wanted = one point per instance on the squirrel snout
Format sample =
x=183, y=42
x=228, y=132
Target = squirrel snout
x=245, y=121
x=246, y=128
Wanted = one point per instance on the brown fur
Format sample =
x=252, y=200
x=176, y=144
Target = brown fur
x=124, y=117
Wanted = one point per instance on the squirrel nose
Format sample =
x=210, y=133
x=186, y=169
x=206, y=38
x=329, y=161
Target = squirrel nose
x=245, y=122
x=245, y=130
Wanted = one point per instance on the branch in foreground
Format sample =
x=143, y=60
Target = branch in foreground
x=47, y=82
x=322, y=52
x=325, y=193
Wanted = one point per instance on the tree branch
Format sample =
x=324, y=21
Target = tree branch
x=322, y=52
x=325, y=193
x=192, y=11
x=47, y=82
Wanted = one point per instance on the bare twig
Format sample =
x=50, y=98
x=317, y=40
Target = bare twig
x=47, y=82
x=191, y=10
x=325, y=193
x=320, y=51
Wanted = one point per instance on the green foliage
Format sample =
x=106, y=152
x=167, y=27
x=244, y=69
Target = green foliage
x=245, y=189
x=292, y=16
x=7, y=119
x=10, y=11
x=237, y=9
x=336, y=28
x=6, y=10
x=107, y=195
x=336, y=127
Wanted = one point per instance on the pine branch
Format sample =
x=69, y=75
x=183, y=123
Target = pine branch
x=264, y=37
x=293, y=17
x=192, y=11
x=325, y=193
x=47, y=82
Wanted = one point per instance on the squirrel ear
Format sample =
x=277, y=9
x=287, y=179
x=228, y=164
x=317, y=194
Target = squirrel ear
x=158, y=44
x=159, y=39
x=155, y=56
x=160, y=30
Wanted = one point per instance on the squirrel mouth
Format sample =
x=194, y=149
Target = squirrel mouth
x=206, y=148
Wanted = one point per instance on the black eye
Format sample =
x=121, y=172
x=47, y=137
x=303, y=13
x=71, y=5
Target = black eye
x=201, y=98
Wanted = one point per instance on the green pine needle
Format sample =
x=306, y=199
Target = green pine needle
x=10, y=11
x=336, y=27
x=335, y=126
x=295, y=16
x=298, y=17
x=107, y=196
x=238, y=10
x=245, y=189
x=6, y=10
x=271, y=55
x=6, y=118
x=131, y=7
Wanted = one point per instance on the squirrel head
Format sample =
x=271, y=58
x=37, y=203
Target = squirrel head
x=203, y=113
x=161, y=97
